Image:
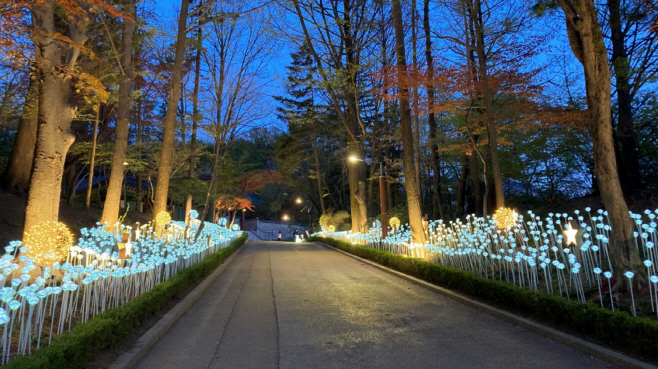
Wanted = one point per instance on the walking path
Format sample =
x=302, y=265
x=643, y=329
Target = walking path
x=288, y=305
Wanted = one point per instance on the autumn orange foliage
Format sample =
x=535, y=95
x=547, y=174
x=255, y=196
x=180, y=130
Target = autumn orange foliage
x=256, y=181
x=232, y=202
x=517, y=99
x=17, y=50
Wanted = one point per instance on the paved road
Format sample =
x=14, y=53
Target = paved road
x=303, y=306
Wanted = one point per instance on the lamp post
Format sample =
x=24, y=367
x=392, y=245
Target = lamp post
x=310, y=213
x=382, y=193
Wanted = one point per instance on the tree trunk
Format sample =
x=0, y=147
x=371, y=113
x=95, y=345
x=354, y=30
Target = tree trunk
x=587, y=44
x=138, y=142
x=389, y=184
x=461, y=188
x=625, y=137
x=411, y=187
x=318, y=172
x=75, y=182
x=19, y=167
x=166, y=156
x=437, y=210
x=475, y=178
x=357, y=184
x=195, y=117
x=416, y=109
x=349, y=116
x=92, y=160
x=113, y=197
x=57, y=109
x=211, y=187
x=491, y=123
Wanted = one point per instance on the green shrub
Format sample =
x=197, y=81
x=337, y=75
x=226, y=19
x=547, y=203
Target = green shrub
x=619, y=330
x=77, y=347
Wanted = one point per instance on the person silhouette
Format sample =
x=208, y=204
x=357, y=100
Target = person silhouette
x=279, y=237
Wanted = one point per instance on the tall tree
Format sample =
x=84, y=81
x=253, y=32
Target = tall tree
x=587, y=44
x=475, y=11
x=196, y=114
x=625, y=136
x=55, y=61
x=113, y=197
x=167, y=153
x=411, y=186
x=343, y=29
x=437, y=212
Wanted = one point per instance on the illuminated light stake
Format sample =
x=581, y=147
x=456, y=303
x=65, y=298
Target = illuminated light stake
x=571, y=235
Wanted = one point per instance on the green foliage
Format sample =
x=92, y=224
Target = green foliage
x=619, y=330
x=339, y=219
x=76, y=348
x=104, y=153
x=180, y=187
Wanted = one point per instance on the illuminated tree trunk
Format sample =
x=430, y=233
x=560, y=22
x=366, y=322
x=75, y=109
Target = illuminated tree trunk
x=19, y=168
x=57, y=108
x=166, y=156
x=117, y=167
x=411, y=187
x=587, y=44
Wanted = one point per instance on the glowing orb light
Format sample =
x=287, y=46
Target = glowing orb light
x=394, y=222
x=48, y=242
x=504, y=218
x=163, y=218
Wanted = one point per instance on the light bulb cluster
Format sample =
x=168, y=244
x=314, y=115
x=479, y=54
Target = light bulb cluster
x=394, y=222
x=163, y=218
x=48, y=242
x=505, y=218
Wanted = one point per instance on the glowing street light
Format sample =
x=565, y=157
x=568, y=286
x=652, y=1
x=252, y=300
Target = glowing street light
x=286, y=218
x=299, y=200
x=353, y=159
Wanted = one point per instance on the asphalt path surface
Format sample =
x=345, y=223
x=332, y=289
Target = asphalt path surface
x=304, y=306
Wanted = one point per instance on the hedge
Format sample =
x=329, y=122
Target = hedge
x=77, y=347
x=635, y=336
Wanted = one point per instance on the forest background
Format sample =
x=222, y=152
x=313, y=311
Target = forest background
x=274, y=97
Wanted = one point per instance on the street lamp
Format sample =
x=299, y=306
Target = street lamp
x=382, y=191
x=310, y=213
x=285, y=217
